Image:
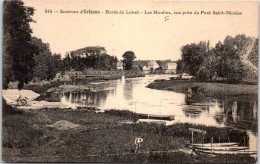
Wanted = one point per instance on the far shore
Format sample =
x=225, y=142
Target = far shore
x=214, y=90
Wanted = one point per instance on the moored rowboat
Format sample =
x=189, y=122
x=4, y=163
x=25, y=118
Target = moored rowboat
x=222, y=148
x=228, y=152
x=156, y=117
x=217, y=144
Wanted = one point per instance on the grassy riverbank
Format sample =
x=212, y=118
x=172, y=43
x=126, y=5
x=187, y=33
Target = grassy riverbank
x=215, y=90
x=102, y=137
x=41, y=87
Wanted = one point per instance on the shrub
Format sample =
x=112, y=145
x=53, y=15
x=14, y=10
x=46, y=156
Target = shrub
x=8, y=109
x=203, y=74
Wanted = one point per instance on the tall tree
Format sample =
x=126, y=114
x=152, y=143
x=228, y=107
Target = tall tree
x=90, y=58
x=180, y=66
x=17, y=45
x=128, y=58
x=66, y=62
x=234, y=60
x=42, y=55
x=234, y=57
x=41, y=66
x=207, y=68
x=192, y=56
x=57, y=65
x=253, y=55
x=46, y=65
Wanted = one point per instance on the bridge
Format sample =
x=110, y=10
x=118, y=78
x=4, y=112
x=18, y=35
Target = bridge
x=97, y=75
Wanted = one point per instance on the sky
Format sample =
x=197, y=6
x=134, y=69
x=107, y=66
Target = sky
x=148, y=35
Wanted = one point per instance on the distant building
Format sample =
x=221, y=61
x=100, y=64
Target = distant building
x=152, y=65
x=62, y=77
x=119, y=65
x=171, y=68
x=146, y=70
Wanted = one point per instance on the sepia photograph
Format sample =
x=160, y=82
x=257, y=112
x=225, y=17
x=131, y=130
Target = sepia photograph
x=165, y=81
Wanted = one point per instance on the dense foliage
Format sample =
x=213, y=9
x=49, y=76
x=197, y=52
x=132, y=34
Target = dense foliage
x=17, y=43
x=46, y=64
x=26, y=57
x=89, y=58
x=234, y=60
x=128, y=58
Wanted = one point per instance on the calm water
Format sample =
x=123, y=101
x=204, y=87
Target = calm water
x=132, y=94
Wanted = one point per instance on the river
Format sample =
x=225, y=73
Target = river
x=132, y=94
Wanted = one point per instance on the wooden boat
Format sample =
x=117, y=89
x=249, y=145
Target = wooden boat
x=218, y=148
x=155, y=117
x=193, y=109
x=163, y=122
x=216, y=144
x=19, y=97
x=228, y=152
x=222, y=148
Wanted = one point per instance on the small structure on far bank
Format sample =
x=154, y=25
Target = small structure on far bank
x=119, y=65
x=152, y=65
x=146, y=70
x=171, y=68
x=68, y=75
x=160, y=67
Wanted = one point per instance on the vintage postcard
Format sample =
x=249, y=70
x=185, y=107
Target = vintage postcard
x=130, y=81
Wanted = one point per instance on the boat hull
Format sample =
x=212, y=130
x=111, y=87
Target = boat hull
x=155, y=117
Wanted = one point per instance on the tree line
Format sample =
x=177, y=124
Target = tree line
x=233, y=60
x=93, y=58
x=26, y=57
x=46, y=65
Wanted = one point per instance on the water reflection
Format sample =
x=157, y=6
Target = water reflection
x=84, y=98
x=238, y=113
x=132, y=94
